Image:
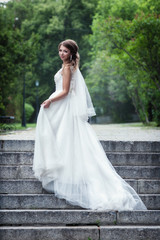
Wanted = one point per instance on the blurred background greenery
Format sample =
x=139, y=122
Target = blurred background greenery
x=119, y=45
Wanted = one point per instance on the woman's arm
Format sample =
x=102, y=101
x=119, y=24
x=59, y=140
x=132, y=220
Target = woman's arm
x=66, y=85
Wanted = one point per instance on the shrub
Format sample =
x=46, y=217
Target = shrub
x=29, y=111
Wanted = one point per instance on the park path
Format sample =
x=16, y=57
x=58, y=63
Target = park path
x=115, y=132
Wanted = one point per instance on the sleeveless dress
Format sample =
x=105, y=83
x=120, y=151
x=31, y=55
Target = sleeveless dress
x=70, y=161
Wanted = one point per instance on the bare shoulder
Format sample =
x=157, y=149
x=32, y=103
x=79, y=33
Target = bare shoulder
x=67, y=70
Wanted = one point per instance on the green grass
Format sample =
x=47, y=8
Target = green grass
x=6, y=128
x=18, y=126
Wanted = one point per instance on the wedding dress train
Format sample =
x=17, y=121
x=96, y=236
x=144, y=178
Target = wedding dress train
x=69, y=159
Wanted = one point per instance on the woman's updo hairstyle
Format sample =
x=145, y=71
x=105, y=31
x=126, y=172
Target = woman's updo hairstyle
x=73, y=47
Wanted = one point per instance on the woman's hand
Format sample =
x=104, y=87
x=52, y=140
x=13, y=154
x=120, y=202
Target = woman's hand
x=46, y=103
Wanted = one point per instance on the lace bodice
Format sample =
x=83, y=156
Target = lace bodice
x=58, y=78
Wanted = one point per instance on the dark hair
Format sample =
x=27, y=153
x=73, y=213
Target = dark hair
x=73, y=47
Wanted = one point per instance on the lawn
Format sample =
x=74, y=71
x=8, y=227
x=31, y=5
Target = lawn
x=5, y=128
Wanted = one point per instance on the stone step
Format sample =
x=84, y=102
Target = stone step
x=17, y=158
x=109, y=146
x=129, y=233
x=130, y=146
x=33, y=201
x=16, y=145
x=78, y=216
x=151, y=201
x=135, y=172
x=49, y=201
x=50, y=233
x=134, y=159
x=117, y=158
x=34, y=186
x=80, y=233
x=139, y=172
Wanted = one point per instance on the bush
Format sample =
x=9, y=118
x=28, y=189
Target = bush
x=29, y=111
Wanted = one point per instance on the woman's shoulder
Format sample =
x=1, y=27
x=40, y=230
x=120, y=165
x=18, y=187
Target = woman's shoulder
x=69, y=67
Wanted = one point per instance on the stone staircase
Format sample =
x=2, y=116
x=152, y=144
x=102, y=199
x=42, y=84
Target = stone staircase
x=29, y=213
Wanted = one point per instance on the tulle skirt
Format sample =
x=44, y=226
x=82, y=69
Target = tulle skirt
x=71, y=163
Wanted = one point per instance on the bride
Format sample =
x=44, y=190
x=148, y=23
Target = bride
x=68, y=158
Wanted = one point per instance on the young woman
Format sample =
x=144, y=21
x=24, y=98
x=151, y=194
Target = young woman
x=68, y=157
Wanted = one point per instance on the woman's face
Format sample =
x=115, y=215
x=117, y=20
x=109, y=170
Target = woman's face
x=64, y=53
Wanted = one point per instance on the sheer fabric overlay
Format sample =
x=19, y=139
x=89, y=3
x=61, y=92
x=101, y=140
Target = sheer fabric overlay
x=69, y=159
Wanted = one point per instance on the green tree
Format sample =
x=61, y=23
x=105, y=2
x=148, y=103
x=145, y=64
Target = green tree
x=34, y=30
x=130, y=32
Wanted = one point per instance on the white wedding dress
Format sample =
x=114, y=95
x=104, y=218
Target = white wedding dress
x=70, y=161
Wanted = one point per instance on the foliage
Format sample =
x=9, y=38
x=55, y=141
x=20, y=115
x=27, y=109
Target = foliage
x=31, y=32
x=126, y=40
x=119, y=48
x=6, y=128
x=29, y=111
x=17, y=53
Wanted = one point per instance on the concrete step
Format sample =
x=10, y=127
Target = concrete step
x=151, y=201
x=116, y=158
x=49, y=201
x=80, y=233
x=142, y=186
x=109, y=146
x=20, y=186
x=134, y=172
x=134, y=159
x=78, y=216
x=16, y=145
x=139, y=172
x=17, y=158
x=33, y=201
x=129, y=233
x=50, y=233
x=131, y=146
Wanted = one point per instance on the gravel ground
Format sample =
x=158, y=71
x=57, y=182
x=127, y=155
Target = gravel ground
x=123, y=132
x=116, y=132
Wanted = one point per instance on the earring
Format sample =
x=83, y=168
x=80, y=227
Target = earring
x=70, y=57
